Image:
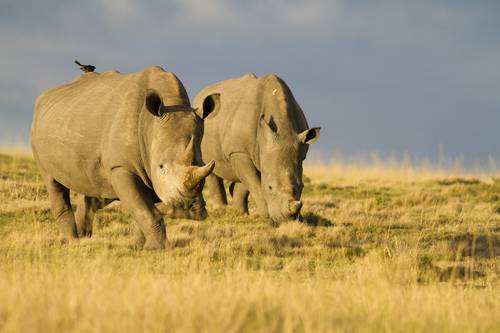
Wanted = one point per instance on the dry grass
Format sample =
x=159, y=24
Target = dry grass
x=381, y=250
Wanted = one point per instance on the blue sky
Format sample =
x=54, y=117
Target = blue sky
x=385, y=76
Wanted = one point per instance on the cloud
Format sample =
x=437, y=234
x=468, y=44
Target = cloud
x=117, y=11
x=212, y=14
x=384, y=75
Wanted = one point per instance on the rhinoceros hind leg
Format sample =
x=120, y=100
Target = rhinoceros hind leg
x=138, y=200
x=85, y=213
x=61, y=208
x=240, y=198
x=217, y=193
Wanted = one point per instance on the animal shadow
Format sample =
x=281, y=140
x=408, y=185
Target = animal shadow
x=317, y=220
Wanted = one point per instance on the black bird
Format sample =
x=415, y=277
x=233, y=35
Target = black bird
x=85, y=68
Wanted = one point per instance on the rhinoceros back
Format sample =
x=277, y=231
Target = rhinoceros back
x=235, y=128
x=83, y=129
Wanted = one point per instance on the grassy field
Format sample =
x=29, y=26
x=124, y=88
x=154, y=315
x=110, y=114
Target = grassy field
x=394, y=249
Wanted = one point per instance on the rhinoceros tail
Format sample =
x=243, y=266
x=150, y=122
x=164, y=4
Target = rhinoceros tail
x=85, y=68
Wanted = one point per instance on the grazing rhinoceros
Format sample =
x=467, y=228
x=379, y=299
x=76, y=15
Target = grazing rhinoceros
x=130, y=137
x=258, y=137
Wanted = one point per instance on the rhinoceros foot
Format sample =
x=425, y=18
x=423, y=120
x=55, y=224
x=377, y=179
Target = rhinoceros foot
x=84, y=232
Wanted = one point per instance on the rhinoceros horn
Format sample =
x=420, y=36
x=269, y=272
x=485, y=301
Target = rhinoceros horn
x=197, y=174
x=201, y=173
x=187, y=157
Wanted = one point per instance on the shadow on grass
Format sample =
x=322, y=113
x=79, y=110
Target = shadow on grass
x=461, y=245
x=470, y=245
x=428, y=272
x=317, y=220
x=350, y=249
x=461, y=181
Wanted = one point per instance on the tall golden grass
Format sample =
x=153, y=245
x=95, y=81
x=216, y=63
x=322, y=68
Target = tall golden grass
x=381, y=249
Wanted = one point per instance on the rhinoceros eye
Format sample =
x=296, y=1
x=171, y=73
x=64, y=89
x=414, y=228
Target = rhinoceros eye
x=270, y=187
x=161, y=166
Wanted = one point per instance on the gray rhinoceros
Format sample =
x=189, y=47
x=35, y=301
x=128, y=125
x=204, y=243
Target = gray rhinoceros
x=130, y=137
x=258, y=137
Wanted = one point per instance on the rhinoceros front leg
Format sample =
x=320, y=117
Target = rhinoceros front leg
x=240, y=198
x=61, y=208
x=85, y=212
x=216, y=190
x=249, y=177
x=138, y=200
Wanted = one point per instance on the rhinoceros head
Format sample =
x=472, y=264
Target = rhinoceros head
x=174, y=156
x=282, y=152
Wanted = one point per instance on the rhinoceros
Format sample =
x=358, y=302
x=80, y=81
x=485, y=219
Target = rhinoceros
x=258, y=137
x=132, y=137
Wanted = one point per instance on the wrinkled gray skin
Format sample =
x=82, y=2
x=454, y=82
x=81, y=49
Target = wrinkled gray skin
x=258, y=137
x=130, y=137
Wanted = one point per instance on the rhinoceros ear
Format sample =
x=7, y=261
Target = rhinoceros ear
x=211, y=104
x=309, y=136
x=154, y=103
